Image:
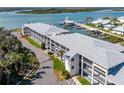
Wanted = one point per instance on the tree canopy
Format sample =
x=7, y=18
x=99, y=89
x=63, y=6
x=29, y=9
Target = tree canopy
x=15, y=60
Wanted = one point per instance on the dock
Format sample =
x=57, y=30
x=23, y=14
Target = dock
x=85, y=27
x=89, y=28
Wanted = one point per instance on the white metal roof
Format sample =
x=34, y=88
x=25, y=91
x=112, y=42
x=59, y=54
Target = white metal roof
x=70, y=53
x=109, y=26
x=121, y=18
x=119, y=28
x=101, y=52
x=102, y=21
x=45, y=29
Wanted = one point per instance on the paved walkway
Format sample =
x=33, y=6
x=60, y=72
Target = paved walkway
x=76, y=80
x=44, y=75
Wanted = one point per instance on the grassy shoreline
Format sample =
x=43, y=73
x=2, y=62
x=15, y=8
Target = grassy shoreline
x=108, y=37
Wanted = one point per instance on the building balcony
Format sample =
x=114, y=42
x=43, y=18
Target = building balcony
x=99, y=71
x=88, y=71
x=90, y=65
x=99, y=78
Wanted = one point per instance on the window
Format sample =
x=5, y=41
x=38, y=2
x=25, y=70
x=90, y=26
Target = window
x=72, y=59
x=80, y=57
x=72, y=67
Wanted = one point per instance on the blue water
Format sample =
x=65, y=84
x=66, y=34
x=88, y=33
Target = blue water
x=11, y=20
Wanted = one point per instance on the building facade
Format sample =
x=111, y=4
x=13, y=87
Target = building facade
x=88, y=57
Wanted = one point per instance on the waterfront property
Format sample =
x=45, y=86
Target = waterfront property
x=121, y=19
x=97, y=61
x=118, y=30
x=108, y=27
x=114, y=25
x=101, y=21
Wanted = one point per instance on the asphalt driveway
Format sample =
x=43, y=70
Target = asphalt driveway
x=44, y=75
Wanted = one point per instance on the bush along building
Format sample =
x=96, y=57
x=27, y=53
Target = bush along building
x=98, y=61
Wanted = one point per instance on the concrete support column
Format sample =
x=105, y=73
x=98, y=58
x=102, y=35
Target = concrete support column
x=106, y=77
x=82, y=67
x=50, y=45
x=92, y=74
x=23, y=32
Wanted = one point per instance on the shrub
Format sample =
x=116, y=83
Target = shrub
x=50, y=53
x=43, y=46
x=83, y=81
x=59, y=68
x=113, y=39
x=66, y=74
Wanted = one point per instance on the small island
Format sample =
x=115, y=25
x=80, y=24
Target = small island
x=58, y=10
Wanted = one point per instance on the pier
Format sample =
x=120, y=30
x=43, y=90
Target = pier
x=89, y=28
x=79, y=25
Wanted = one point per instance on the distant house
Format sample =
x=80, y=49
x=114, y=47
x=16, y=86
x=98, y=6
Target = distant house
x=118, y=30
x=121, y=19
x=108, y=27
x=102, y=21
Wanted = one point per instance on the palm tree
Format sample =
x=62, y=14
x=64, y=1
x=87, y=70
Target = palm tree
x=32, y=59
x=20, y=57
x=61, y=53
x=2, y=28
x=88, y=20
x=14, y=59
x=5, y=70
x=100, y=25
x=113, y=21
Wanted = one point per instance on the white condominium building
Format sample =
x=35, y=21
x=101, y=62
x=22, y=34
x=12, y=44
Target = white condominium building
x=98, y=61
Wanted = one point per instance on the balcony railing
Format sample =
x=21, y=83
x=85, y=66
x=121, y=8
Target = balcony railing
x=87, y=63
x=88, y=71
x=99, y=78
x=99, y=71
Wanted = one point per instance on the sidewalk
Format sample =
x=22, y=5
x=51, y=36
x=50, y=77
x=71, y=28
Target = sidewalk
x=76, y=80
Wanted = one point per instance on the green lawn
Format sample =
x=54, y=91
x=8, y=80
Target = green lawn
x=83, y=81
x=58, y=65
x=122, y=43
x=109, y=38
x=59, y=68
x=31, y=41
x=16, y=30
x=113, y=39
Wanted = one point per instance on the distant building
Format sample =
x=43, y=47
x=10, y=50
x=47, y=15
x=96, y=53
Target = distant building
x=102, y=21
x=118, y=30
x=108, y=27
x=68, y=22
x=121, y=19
x=98, y=61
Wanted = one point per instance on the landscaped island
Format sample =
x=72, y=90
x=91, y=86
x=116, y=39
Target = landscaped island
x=58, y=10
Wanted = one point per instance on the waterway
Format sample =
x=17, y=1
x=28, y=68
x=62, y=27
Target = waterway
x=11, y=20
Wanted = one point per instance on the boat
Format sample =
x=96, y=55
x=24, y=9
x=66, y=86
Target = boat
x=68, y=22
